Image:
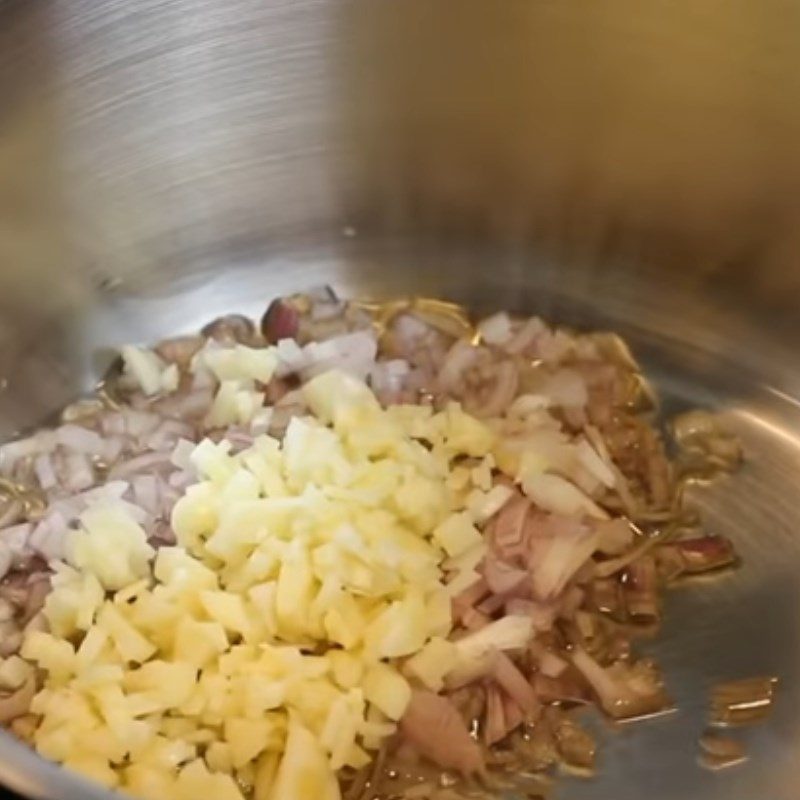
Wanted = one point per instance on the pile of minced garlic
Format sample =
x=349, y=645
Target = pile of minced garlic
x=274, y=644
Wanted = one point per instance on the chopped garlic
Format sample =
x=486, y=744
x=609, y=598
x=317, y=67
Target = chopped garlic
x=432, y=663
x=332, y=541
x=238, y=363
x=111, y=546
x=457, y=534
x=233, y=406
x=387, y=689
x=151, y=374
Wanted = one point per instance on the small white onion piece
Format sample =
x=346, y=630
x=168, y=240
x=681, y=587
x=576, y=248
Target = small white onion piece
x=495, y=329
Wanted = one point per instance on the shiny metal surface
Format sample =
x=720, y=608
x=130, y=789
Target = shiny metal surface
x=620, y=164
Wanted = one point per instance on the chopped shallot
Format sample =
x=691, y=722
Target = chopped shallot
x=561, y=546
x=496, y=329
x=565, y=511
x=624, y=690
x=433, y=725
x=509, y=677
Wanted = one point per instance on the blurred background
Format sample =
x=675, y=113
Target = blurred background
x=144, y=141
x=184, y=129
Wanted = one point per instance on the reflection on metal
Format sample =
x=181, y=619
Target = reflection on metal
x=787, y=433
x=720, y=752
x=742, y=702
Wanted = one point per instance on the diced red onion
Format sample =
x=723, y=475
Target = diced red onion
x=114, y=446
x=459, y=358
x=433, y=725
x=641, y=589
x=179, y=349
x=41, y=442
x=167, y=434
x=508, y=675
x=5, y=559
x=141, y=463
x=494, y=602
x=501, y=577
x=474, y=619
x=604, y=569
x=45, y=473
x=192, y=405
x=494, y=720
x=502, y=392
x=291, y=357
x=145, y=493
x=525, y=406
x=705, y=553
x=525, y=336
x=48, y=537
x=38, y=589
x=351, y=352
x=140, y=423
x=513, y=714
x=71, y=507
x=496, y=329
x=180, y=480
x=550, y=664
x=469, y=597
x=181, y=454
x=16, y=540
x=280, y=321
x=324, y=303
x=566, y=545
x=79, y=439
x=79, y=473
x=113, y=424
x=622, y=689
x=409, y=328
x=615, y=536
x=519, y=606
x=507, y=633
x=554, y=347
x=388, y=377
x=543, y=615
x=566, y=388
x=508, y=528
x=571, y=601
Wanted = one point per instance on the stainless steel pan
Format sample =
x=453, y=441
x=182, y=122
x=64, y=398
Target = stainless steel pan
x=623, y=164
